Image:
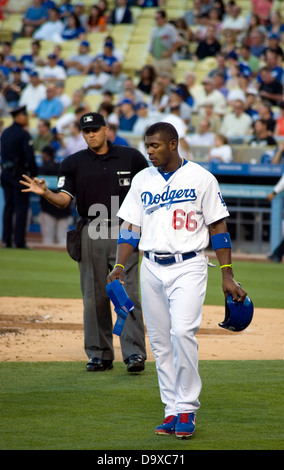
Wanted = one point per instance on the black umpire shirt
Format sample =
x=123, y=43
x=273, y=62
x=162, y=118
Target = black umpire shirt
x=17, y=152
x=93, y=178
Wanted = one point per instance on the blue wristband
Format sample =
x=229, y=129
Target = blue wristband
x=221, y=240
x=128, y=236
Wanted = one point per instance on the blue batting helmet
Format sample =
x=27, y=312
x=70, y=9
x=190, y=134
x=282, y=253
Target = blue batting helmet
x=238, y=315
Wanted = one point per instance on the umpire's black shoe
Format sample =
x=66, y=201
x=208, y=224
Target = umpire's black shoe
x=98, y=365
x=135, y=363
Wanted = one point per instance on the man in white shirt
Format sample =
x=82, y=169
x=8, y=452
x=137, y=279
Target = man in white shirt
x=52, y=29
x=145, y=118
x=33, y=93
x=235, y=21
x=53, y=72
x=203, y=136
x=96, y=80
x=236, y=124
x=210, y=94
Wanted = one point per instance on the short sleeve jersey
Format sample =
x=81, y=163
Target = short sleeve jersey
x=174, y=215
x=96, y=179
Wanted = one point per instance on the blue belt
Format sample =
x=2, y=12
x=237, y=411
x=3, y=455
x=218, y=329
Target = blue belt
x=169, y=259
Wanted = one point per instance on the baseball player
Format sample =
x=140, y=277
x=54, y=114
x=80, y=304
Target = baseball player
x=171, y=210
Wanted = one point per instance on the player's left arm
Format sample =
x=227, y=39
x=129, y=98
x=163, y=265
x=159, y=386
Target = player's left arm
x=221, y=244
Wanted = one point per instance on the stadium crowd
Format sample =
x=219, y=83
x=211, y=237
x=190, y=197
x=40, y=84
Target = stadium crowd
x=238, y=100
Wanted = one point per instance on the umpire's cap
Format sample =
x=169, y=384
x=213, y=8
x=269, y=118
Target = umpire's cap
x=94, y=120
x=18, y=110
x=238, y=315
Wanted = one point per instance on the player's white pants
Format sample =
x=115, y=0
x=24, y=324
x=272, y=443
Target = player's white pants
x=172, y=300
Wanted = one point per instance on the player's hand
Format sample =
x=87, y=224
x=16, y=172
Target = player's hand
x=116, y=273
x=230, y=286
x=34, y=185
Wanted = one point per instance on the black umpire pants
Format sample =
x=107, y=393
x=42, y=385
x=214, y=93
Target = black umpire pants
x=15, y=212
x=97, y=259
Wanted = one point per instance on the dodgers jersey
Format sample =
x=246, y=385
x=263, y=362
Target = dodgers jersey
x=174, y=215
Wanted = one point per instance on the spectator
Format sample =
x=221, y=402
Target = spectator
x=78, y=64
x=50, y=107
x=73, y=29
x=279, y=128
x=114, y=138
x=52, y=29
x=173, y=118
x=128, y=116
x=248, y=59
x=185, y=33
x=79, y=10
x=62, y=95
x=158, y=99
x=33, y=18
x=96, y=80
x=221, y=57
x=121, y=14
x=257, y=43
x=65, y=8
x=33, y=60
x=274, y=45
x=262, y=137
x=210, y=46
x=220, y=83
x=54, y=222
x=107, y=56
x=235, y=21
x=145, y=118
x=4, y=108
x=131, y=91
x=270, y=89
x=78, y=101
x=74, y=141
x=203, y=134
x=265, y=113
x=176, y=100
x=33, y=93
x=147, y=76
x=237, y=124
x=43, y=136
x=229, y=41
x=52, y=72
x=276, y=25
x=262, y=9
x=222, y=151
x=96, y=21
x=209, y=93
x=116, y=79
x=272, y=62
x=12, y=90
x=251, y=96
x=10, y=59
x=165, y=41
x=192, y=14
x=207, y=111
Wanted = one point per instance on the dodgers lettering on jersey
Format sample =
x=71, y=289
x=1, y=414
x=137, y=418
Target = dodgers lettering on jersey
x=166, y=199
x=174, y=215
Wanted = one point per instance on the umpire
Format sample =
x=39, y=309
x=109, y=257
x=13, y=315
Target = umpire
x=17, y=157
x=100, y=177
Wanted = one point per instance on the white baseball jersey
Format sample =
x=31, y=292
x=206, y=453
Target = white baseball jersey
x=174, y=215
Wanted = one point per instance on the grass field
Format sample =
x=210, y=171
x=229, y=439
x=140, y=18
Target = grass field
x=60, y=406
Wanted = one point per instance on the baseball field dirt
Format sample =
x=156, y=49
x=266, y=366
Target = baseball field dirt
x=36, y=330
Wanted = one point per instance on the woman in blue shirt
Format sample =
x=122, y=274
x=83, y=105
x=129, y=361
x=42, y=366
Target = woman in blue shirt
x=73, y=29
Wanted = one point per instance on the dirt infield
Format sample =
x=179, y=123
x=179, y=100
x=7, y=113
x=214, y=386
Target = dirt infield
x=52, y=330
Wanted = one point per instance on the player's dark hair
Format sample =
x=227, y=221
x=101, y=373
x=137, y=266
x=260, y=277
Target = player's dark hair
x=165, y=129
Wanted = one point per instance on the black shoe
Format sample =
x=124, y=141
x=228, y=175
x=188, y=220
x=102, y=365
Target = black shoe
x=135, y=363
x=274, y=258
x=98, y=365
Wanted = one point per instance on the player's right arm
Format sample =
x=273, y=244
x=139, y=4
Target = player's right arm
x=38, y=186
x=125, y=247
